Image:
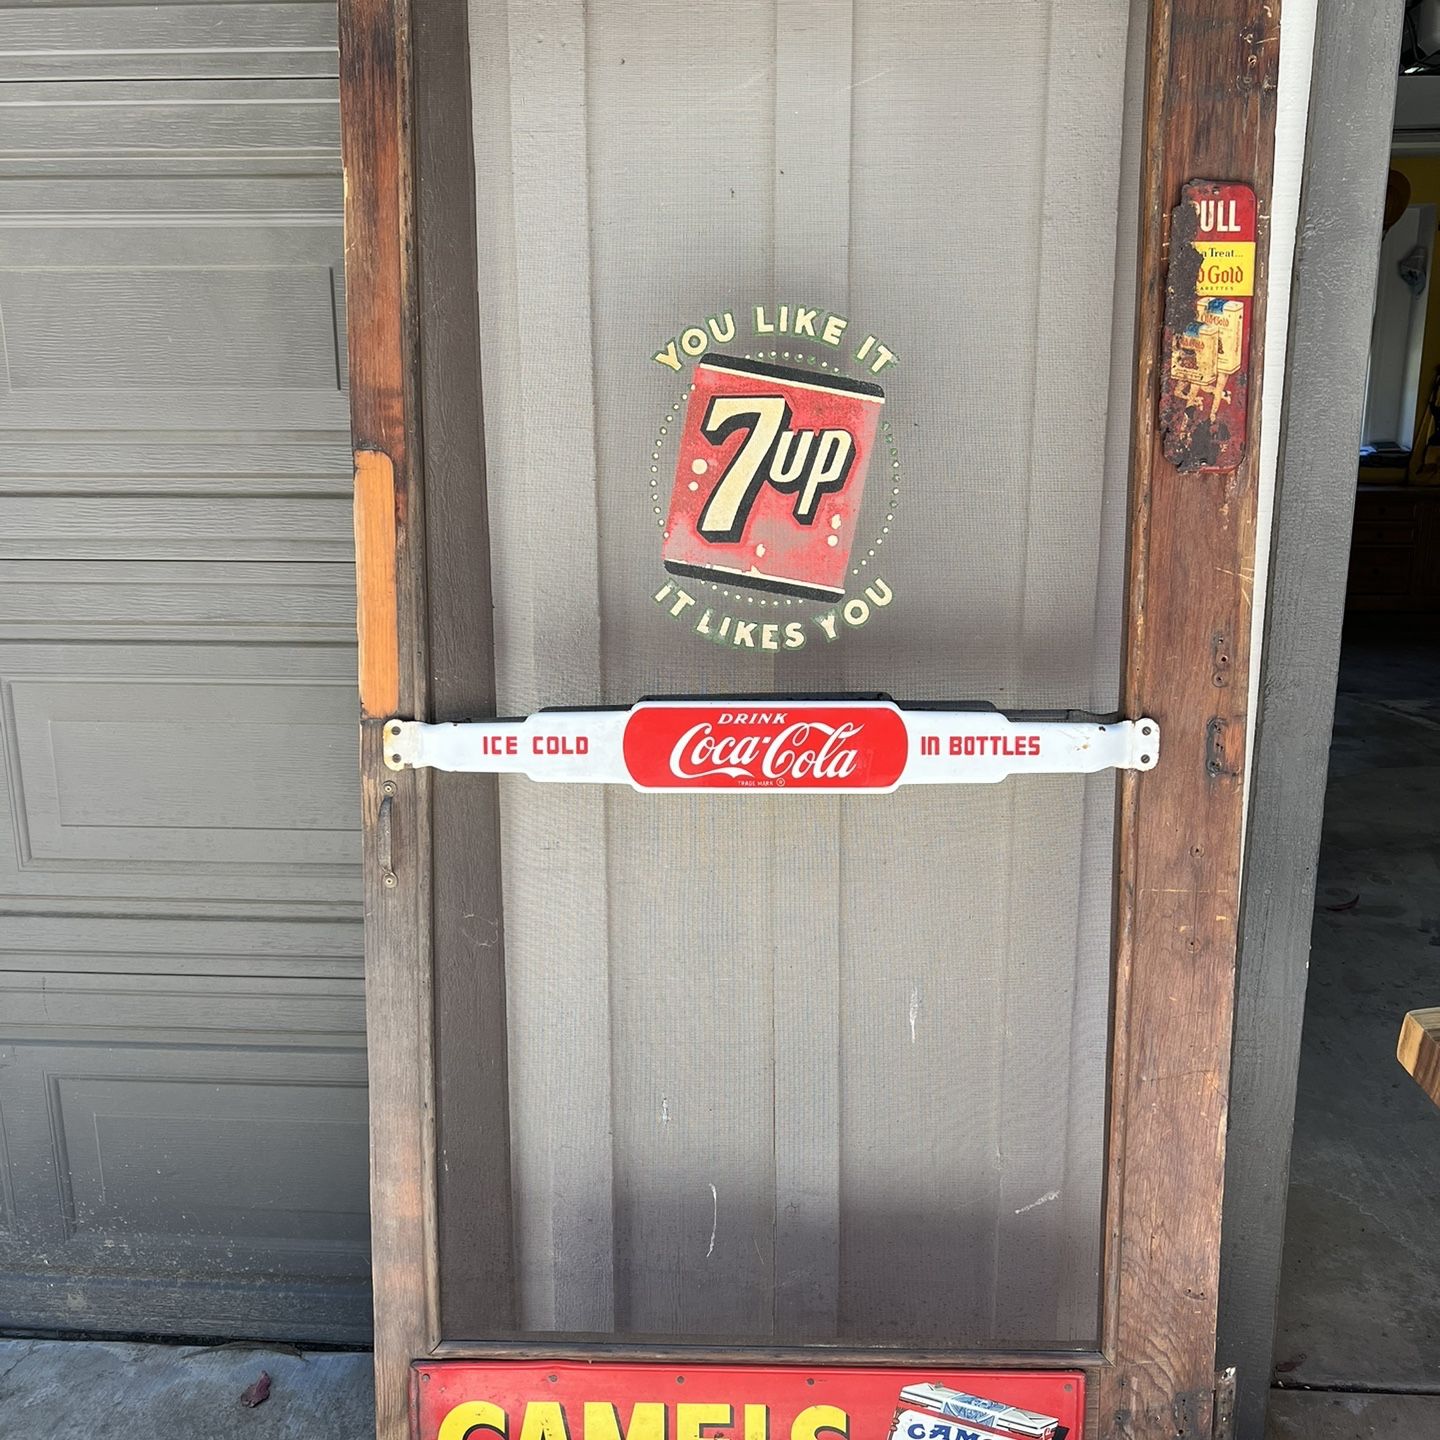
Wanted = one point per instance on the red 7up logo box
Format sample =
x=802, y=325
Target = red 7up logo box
x=770, y=476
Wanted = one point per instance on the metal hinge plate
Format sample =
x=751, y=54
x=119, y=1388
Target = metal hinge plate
x=1224, y=1425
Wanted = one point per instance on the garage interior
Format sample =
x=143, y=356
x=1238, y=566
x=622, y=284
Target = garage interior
x=1357, y=1343
x=1357, y=1347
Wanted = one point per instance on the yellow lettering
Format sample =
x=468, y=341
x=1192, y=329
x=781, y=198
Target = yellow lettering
x=690, y=1420
x=544, y=1420
x=602, y=1421
x=757, y=1417
x=465, y=1419
x=815, y=1418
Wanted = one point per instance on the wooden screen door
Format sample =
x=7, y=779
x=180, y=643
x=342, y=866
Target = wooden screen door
x=934, y=1075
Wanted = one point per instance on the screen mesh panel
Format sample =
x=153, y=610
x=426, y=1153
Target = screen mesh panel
x=811, y=1068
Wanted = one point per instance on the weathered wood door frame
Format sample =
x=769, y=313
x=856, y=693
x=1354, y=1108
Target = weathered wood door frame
x=420, y=522
x=1349, y=135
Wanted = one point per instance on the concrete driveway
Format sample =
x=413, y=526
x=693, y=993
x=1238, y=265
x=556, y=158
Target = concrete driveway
x=51, y=1389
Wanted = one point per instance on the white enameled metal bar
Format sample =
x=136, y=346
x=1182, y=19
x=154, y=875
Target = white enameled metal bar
x=773, y=744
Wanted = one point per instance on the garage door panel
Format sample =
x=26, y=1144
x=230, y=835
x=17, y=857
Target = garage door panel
x=270, y=1308
x=178, y=41
x=182, y=1068
x=182, y=1008
x=149, y=410
x=200, y=117
x=168, y=495
x=113, y=600
x=143, y=189
x=253, y=946
x=184, y=1158
x=116, y=311
x=144, y=1056
x=174, y=328
x=180, y=526
x=186, y=341
x=174, y=386
x=96, y=461
x=188, y=775
x=133, y=1154
x=175, y=771
x=182, y=300
x=192, y=252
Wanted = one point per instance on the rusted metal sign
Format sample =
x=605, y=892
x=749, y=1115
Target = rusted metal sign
x=773, y=745
x=777, y=512
x=1209, y=305
x=560, y=1400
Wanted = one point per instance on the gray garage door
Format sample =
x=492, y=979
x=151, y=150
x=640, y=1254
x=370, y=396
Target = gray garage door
x=182, y=1082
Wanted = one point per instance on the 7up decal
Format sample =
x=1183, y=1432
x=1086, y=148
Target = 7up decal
x=779, y=455
x=772, y=525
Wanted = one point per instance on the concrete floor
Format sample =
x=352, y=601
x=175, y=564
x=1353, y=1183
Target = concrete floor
x=98, y=1390
x=1325, y=1415
x=1360, y=1297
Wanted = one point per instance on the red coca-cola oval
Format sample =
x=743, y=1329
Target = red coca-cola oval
x=766, y=745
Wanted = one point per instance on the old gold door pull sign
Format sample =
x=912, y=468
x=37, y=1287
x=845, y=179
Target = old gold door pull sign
x=865, y=746
x=1209, y=304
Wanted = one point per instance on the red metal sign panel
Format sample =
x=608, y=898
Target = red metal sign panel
x=769, y=476
x=766, y=746
x=560, y=1400
x=1209, y=306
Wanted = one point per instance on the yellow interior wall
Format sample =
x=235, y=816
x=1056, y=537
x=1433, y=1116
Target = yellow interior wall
x=1423, y=173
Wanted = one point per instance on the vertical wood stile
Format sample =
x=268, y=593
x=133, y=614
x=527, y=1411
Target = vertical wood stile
x=374, y=55
x=1210, y=113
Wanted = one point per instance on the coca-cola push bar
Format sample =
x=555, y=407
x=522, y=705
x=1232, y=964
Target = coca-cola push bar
x=861, y=746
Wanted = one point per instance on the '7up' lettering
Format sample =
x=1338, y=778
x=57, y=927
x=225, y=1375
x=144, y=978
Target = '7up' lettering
x=809, y=462
x=770, y=476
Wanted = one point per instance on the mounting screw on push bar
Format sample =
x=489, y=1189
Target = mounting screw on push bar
x=775, y=744
x=1145, y=743
x=399, y=738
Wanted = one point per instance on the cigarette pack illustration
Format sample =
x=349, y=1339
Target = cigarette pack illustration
x=770, y=476
x=925, y=1409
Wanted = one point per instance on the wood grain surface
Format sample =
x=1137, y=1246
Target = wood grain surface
x=374, y=66
x=376, y=619
x=1419, y=1049
x=1210, y=114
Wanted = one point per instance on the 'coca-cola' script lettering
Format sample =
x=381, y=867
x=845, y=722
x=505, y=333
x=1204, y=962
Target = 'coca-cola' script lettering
x=801, y=747
x=808, y=747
